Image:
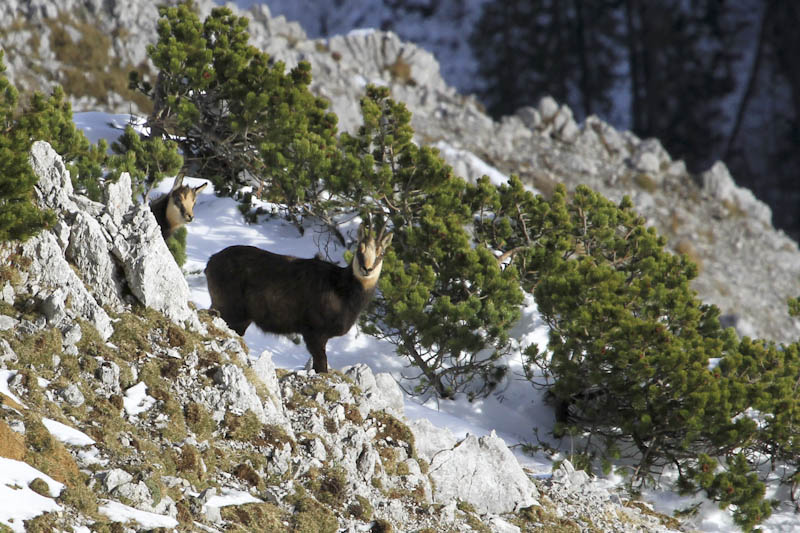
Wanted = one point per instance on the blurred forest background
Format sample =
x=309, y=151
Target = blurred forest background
x=712, y=79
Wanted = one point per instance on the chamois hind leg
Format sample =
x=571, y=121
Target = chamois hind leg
x=316, y=347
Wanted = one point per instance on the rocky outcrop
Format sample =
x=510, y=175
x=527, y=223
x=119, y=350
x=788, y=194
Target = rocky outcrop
x=116, y=249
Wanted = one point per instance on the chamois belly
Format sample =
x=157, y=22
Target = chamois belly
x=328, y=314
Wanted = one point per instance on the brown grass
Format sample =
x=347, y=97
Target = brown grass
x=12, y=444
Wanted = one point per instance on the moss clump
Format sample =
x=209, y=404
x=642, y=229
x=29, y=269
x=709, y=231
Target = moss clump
x=12, y=444
x=37, y=350
x=360, y=509
x=44, y=523
x=328, y=485
x=247, y=473
x=543, y=518
x=381, y=526
x=255, y=518
x=393, y=430
x=244, y=428
x=352, y=414
x=310, y=516
x=40, y=486
x=188, y=461
x=199, y=420
x=78, y=495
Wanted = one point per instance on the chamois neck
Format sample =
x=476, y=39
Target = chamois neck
x=173, y=214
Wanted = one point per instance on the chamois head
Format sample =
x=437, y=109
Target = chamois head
x=180, y=204
x=368, y=258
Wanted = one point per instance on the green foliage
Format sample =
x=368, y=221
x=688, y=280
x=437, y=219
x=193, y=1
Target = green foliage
x=235, y=114
x=630, y=344
x=446, y=304
x=738, y=485
x=176, y=243
x=147, y=160
x=19, y=216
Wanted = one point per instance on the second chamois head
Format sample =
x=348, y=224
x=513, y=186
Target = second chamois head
x=176, y=208
x=284, y=294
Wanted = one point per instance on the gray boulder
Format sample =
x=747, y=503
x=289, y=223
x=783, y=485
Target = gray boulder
x=481, y=471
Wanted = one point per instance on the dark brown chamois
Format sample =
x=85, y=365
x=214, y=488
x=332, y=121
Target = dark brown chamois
x=176, y=208
x=284, y=294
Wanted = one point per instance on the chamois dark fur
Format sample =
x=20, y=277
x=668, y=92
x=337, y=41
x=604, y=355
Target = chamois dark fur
x=176, y=208
x=284, y=294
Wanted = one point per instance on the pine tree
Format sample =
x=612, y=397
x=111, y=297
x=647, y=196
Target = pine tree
x=446, y=304
x=630, y=344
x=236, y=116
x=19, y=216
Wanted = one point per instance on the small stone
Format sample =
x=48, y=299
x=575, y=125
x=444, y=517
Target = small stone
x=7, y=322
x=73, y=395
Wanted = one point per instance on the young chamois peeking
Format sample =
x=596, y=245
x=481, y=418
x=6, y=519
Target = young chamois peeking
x=284, y=294
x=176, y=208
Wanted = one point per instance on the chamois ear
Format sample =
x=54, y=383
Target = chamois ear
x=178, y=181
x=362, y=232
x=200, y=188
x=386, y=241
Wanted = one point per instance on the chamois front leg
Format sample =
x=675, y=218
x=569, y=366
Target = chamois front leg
x=315, y=344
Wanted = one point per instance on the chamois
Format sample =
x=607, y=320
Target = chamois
x=284, y=294
x=176, y=208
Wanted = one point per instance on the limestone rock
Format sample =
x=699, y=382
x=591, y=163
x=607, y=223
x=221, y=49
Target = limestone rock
x=481, y=471
x=381, y=392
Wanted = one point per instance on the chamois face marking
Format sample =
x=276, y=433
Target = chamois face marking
x=175, y=208
x=180, y=207
x=284, y=294
x=368, y=259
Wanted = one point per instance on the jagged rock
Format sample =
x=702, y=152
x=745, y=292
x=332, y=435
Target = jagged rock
x=7, y=355
x=718, y=183
x=114, y=478
x=381, y=392
x=54, y=186
x=264, y=368
x=235, y=393
x=548, y=107
x=7, y=293
x=481, y=471
x=529, y=116
x=117, y=198
x=108, y=374
x=151, y=272
x=498, y=525
x=71, y=335
x=50, y=273
x=88, y=250
x=54, y=307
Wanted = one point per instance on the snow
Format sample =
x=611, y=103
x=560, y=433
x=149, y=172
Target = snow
x=5, y=377
x=136, y=400
x=231, y=497
x=19, y=502
x=118, y=512
x=67, y=434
